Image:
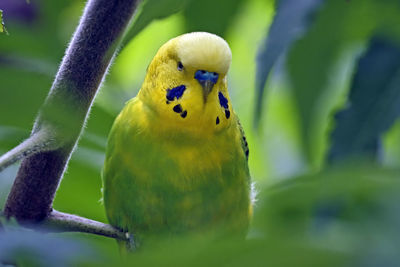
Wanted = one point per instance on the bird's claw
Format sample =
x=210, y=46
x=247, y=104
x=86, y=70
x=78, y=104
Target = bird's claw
x=131, y=244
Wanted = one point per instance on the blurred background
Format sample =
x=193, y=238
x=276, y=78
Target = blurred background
x=316, y=84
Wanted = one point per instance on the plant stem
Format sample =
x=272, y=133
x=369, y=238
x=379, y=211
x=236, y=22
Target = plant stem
x=67, y=106
x=39, y=141
x=63, y=222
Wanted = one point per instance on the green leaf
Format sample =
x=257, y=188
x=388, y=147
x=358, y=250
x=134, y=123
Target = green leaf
x=151, y=10
x=373, y=105
x=290, y=21
x=313, y=59
x=211, y=16
x=28, y=248
x=2, y=26
x=351, y=209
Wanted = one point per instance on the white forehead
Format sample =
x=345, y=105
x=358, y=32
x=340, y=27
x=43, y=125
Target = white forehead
x=206, y=51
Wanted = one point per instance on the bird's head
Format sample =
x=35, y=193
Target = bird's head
x=186, y=83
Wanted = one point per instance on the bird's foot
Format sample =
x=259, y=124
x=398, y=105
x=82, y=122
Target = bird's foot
x=131, y=243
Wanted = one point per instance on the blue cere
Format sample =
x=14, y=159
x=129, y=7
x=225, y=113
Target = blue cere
x=202, y=76
x=223, y=101
x=175, y=92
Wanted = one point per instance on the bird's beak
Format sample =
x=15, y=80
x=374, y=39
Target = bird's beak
x=207, y=80
x=207, y=86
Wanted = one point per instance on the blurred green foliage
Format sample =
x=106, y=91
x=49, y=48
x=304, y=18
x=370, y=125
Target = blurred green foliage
x=315, y=88
x=211, y=16
x=150, y=10
x=310, y=211
x=2, y=26
x=374, y=103
x=28, y=248
x=290, y=21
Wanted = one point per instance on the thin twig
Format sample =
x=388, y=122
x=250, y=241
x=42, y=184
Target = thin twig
x=64, y=222
x=58, y=222
x=38, y=142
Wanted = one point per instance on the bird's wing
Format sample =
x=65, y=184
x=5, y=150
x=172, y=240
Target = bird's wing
x=245, y=145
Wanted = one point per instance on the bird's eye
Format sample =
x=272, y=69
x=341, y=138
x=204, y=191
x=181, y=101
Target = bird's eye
x=180, y=66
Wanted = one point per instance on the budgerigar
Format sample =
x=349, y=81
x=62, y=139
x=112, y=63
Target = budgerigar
x=176, y=158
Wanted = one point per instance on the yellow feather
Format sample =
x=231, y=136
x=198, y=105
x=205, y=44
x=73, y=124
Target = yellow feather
x=179, y=163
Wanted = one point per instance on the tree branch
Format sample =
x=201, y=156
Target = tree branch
x=42, y=140
x=57, y=222
x=63, y=222
x=67, y=106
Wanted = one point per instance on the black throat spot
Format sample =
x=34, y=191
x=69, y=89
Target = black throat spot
x=177, y=108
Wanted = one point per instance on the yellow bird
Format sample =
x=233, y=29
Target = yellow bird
x=176, y=159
